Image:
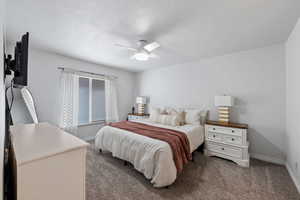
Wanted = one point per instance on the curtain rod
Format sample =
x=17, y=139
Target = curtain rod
x=91, y=73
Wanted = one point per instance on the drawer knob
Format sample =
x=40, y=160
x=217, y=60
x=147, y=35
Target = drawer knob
x=223, y=149
x=232, y=139
x=214, y=128
x=214, y=136
x=232, y=131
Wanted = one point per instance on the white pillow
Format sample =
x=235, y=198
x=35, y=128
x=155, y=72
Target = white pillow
x=192, y=116
x=154, y=114
x=195, y=116
x=164, y=111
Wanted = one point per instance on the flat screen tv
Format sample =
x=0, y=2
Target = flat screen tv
x=20, y=62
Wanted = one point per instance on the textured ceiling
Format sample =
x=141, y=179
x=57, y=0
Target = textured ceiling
x=187, y=30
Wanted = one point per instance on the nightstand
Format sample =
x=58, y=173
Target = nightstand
x=227, y=140
x=136, y=116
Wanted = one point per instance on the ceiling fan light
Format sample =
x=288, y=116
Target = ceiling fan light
x=141, y=56
x=151, y=46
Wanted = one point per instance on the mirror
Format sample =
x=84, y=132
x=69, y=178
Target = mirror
x=29, y=102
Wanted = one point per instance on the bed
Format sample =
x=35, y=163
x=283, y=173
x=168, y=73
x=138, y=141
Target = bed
x=152, y=157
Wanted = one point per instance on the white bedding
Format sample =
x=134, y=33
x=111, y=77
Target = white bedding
x=151, y=157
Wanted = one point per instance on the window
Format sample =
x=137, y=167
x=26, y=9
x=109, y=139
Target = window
x=91, y=100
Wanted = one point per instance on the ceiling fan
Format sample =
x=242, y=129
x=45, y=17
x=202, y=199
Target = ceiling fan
x=144, y=50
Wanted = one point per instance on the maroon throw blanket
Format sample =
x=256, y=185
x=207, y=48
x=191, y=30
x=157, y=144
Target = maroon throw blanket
x=177, y=140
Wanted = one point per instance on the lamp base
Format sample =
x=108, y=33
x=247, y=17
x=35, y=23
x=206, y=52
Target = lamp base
x=141, y=109
x=223, y=114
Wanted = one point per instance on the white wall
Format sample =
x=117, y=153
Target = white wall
x=256, y=78
x=293, y=102
x=2, y=98
x=43, y=82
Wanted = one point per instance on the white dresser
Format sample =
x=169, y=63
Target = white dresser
x=49, y=163
x=137, y=116
x=227, y=140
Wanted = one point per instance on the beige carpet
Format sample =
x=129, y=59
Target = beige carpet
x=207, y=178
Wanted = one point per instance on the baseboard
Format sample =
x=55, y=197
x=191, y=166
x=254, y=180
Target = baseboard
x=293, y=176
x=267, y=158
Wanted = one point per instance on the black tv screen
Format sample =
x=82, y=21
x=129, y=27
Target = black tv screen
x=21, y=61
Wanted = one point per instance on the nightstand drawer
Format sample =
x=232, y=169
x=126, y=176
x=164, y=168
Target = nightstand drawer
x=214, y=136
x=232, y=139
x=226, y=150
x=133, y=117
x=231, y=131
x=137, y=117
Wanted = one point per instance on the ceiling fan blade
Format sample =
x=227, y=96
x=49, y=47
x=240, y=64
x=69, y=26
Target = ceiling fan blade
x=150, y=47
x=126, y=47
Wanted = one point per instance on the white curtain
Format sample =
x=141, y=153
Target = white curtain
x=69, y=87
x=111, y=101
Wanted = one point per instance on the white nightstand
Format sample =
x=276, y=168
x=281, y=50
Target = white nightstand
x=227, y=140
x=137, y=116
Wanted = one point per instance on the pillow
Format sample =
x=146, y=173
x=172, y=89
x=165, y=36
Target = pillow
x=181, y=115
x=171, y=120
x=192, y=116
x=154, y=114
x=195, y=116
x=164, y=111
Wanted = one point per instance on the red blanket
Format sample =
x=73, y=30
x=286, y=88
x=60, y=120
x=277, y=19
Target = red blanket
x=177, y=140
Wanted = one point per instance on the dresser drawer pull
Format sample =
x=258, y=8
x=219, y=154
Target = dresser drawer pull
x=214, y=136
x=232, y=131
x=223, y=149
x=214, y=128
x=232, y=139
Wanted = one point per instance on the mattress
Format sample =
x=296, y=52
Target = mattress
x=151, y=157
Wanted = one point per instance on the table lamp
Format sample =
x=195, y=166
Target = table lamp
x=141, y=101
x=223, y=103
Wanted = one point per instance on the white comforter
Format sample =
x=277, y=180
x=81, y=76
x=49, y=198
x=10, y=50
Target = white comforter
x=151, y=157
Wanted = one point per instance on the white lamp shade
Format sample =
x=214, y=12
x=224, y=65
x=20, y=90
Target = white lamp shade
x=224, y=101
x=141, y=100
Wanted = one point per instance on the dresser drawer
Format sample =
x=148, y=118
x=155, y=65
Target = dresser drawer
x=225, y=130
x=231, y=151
